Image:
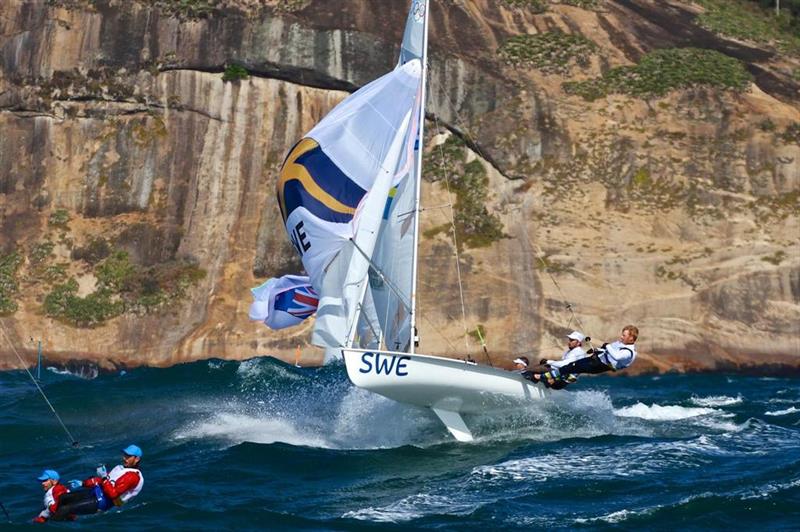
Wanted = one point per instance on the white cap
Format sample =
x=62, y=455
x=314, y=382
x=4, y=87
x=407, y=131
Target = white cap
x=520, y=361
x=577, y=335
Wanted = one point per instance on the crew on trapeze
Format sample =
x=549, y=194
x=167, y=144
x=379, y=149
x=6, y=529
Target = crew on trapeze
x=609, y=357
x=95, y=494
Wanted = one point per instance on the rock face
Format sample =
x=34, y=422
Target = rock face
x=676, y=212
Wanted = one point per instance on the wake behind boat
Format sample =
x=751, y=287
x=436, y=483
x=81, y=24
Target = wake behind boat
x=448, y=386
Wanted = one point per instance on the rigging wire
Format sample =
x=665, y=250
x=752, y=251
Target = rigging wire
x=72, y=440
x=464, y=130
x=455, y=243
x=8, y=517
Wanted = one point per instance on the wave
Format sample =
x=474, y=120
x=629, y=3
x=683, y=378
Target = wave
x=82, y=372
x=618, y=516
x=716, y=400
x=412, y=507
x=239, y=428
x=790, y=410
x=656, y=412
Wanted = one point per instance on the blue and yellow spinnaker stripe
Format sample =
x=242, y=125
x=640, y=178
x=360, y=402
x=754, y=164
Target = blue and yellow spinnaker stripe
x=311, y=180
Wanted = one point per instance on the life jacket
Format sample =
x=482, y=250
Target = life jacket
x=116, y=473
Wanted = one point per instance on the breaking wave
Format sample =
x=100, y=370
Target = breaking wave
x=716, y=400
x=656, y=412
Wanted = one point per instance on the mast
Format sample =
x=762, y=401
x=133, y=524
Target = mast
x=423, y=55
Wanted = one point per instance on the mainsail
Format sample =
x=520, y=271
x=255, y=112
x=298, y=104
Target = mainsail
x=348, y=192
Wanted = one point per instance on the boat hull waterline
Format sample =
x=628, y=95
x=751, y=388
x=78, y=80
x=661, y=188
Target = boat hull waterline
x=448, y=386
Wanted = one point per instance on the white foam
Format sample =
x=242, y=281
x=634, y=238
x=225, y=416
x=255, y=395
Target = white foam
x=87, y=372
x=412, y=507
x=366, y=420
x=618, y=516
x=239, y=428
x=790, y=410
x=782, y=401
x=716, y=400
x=662, y=413
x=770, y=489
x=251, y=371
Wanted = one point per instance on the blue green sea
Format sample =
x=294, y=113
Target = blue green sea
x=264, y=445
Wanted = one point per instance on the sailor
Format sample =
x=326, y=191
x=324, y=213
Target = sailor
x=573, y=352
x=610, y=357
x=521, y=364
x=53, y=492
x=105, y=490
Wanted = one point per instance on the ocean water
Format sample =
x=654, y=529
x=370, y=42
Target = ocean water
x=260, y=444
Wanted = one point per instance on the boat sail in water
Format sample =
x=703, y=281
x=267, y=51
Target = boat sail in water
x=349, y=194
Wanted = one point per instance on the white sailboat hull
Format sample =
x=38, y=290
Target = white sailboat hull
x=449, y=387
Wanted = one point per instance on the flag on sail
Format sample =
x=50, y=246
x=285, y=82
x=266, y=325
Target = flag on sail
x=283, y=302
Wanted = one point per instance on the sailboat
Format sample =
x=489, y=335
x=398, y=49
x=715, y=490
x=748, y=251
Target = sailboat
x=349, y=195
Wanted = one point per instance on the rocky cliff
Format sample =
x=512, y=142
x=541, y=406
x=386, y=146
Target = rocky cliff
x=637, y=159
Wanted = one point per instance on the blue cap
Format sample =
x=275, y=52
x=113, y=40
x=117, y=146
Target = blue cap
x=48, y=474
x=132, y=450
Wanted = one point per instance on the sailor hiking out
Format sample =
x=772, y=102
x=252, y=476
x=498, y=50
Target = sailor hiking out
x=106, y=489
x=610, y=357
x=573, y=353
x=53, y=493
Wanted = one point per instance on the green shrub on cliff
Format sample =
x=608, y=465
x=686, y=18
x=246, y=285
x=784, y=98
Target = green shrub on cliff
x=122, y=287
x=749, y=22
x=791, y=135
x=535, y=6
x=115, y=272
x=59, y=218
x=64, y=302
x=93, y=252
x=9, y=264
x=475, y=225
x=444, y=159
x=235, y=73
x=550, y=52
x=666, y=70
x=584, y=4
x=40, y=252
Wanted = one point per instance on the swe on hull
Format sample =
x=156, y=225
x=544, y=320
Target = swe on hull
x=447, y=386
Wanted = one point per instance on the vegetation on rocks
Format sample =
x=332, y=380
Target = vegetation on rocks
x=65, y=303
x=59, y=218
x=122, y=287
x=187, y=9
x=9, y=263
x=662, y=71
x=551, y=52
x=101, y=83
x=475, y=225
x=776, y=258
x=536, y=6
x=93, y=252
x=769, y=209
x=585, y=4
x=791, y=135
x=235, y=73
x=746, y=21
